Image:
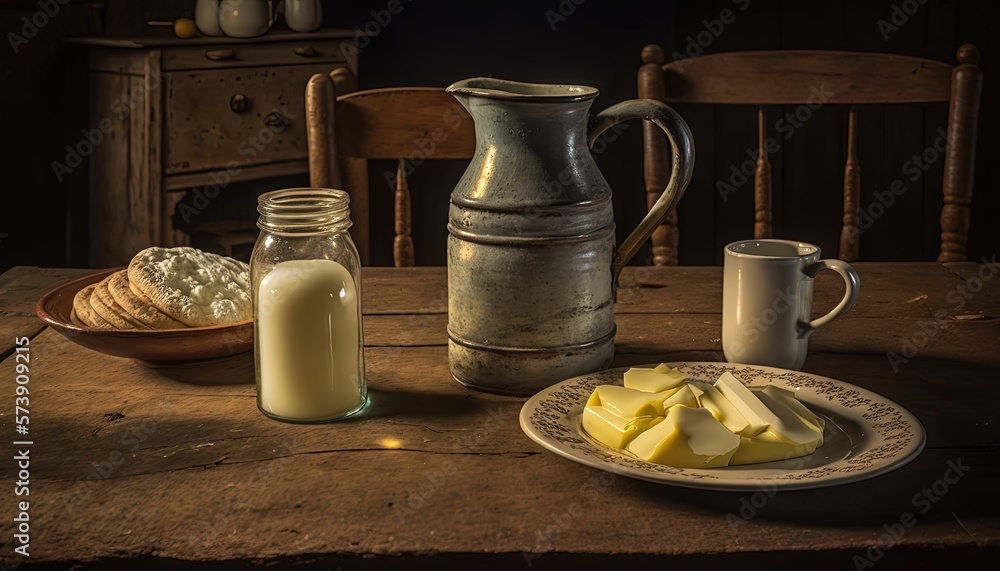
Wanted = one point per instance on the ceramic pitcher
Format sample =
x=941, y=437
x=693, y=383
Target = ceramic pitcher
x=532, y=263
x=303, y=15
x=245, y=18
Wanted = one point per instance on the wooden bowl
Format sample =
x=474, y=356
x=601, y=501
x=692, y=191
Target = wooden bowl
x=150, y=346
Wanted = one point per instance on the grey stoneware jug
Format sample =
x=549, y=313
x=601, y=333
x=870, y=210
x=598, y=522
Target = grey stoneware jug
x=532, y=264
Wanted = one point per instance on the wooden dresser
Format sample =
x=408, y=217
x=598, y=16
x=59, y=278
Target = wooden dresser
x=173, y=116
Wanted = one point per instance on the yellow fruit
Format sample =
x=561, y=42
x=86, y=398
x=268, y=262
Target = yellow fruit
x=185, y=28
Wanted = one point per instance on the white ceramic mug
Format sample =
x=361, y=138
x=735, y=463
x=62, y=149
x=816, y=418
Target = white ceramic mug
x=767, y=295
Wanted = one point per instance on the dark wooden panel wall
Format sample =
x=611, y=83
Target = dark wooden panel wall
x=595, y=42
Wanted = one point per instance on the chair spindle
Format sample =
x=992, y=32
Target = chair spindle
x=852, y=193
x=402, y=245
x=762, y=181
x=652, y=85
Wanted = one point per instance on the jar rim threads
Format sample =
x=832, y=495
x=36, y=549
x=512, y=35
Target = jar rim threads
x=304, y=211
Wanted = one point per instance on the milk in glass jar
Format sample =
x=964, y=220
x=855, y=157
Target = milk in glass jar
x=306, y=280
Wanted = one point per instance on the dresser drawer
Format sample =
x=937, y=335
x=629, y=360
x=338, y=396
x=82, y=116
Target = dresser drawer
x=303, y=52
x=218, y=119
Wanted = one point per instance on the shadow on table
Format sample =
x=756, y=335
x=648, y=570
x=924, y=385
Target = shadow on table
x=235, y=370
x=408, y=404
x=937, y=483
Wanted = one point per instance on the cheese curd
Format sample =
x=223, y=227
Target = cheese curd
x=661, y=417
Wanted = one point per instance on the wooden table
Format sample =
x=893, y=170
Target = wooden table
x=175, y=467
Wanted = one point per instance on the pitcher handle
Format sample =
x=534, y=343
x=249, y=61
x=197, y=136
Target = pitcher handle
x=682, y=165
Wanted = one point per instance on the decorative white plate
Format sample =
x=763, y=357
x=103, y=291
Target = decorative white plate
x=866, y=434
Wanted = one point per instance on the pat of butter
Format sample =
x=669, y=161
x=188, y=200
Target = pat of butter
x=687, y=438
x=626, y=402
x=723, y=410
x=769, y=413
x=787, y=398
x=767, y=447
x=754, y=411
x=699, y=386
x=613, y=430
x=788, y=425
x=684, y=396
x=653, y=380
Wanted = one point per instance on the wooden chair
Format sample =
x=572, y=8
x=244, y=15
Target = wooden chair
x=409, y=124
x=786, y=78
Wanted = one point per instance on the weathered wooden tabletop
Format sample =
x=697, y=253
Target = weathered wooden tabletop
x=176, y=468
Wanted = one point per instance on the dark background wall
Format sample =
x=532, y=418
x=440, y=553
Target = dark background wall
x=592, y=42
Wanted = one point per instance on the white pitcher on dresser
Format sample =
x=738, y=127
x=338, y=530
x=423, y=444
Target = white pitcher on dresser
x=303, y=15
x=245, y=18
x=206, y=17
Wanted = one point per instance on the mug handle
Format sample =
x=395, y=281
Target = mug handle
x=851, y=280
x=681, y=167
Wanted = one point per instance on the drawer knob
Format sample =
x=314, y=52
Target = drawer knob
x=276, y=120
x=305, y=51
x=220, y=55
x=238, y=103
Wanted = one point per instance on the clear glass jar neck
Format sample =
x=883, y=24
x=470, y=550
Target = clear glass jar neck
x=304, y=211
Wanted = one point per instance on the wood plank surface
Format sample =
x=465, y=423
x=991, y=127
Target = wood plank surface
x=20, y=289
x=176, y=467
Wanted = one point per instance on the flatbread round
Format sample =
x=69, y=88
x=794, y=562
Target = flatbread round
x=85, y=313
x=106, y=306
x=138, y=306
x=195, y=287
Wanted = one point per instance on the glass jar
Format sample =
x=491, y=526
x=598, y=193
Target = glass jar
x=306, y=278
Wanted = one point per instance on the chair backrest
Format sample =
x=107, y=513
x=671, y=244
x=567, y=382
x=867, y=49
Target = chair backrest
x=850, y=78
x=409, y=124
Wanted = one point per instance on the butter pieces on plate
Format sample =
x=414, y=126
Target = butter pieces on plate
x=661, y=417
